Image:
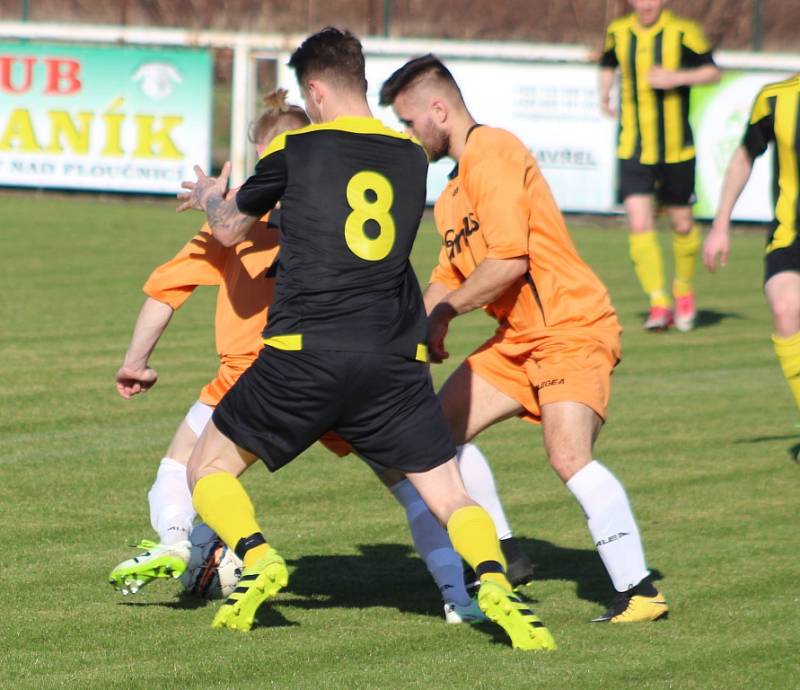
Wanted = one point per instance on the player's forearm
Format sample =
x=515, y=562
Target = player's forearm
x=733, y=184
x=604, y=83
x=434, y=293
x=486, y=283
x=153, y=319
x=696, y=76
x=228, y=224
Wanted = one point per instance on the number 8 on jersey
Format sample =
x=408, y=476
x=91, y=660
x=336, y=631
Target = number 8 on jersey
x=377, y=209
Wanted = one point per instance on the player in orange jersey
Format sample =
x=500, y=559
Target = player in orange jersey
x=505, y=248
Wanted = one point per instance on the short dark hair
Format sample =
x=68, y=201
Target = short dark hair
x=330, y=53
x=412, y=72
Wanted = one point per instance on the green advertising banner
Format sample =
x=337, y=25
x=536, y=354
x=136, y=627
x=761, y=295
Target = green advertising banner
x=719, y=116
x=115, y=118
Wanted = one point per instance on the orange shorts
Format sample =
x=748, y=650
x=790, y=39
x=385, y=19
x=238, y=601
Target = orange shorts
x=557, y=367
x=227, y=375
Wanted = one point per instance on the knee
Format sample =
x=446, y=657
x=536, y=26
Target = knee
x=683, y=226
x=786, y=314
x=567, y=464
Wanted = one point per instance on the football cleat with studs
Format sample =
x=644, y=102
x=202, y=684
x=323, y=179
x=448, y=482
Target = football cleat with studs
x=159, y=561
x=510, y=613
x=260, y=582
x=641, y=604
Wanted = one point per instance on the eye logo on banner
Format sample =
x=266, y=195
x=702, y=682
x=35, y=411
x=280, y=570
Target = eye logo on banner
x=157, y=79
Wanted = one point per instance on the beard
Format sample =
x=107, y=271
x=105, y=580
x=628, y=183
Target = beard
x=438, y=146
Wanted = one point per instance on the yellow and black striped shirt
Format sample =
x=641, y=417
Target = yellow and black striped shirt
x=654, y=123
x=775, y=118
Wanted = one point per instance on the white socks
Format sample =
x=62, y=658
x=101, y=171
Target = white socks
x=171, y=509
x=479, y=482
x=433, y=545
x=611, y=524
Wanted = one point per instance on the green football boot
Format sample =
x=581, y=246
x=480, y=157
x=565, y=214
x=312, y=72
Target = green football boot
x=259, y=582
x=159, y=561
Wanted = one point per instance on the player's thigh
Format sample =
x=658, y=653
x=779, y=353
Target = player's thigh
x=442, y=489
x=189, y=430
x=569, y=430
x=783, y=294
x=390, y=414
x=215, y=452
x=471, y=404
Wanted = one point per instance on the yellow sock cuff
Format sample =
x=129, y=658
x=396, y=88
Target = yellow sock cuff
x=788, y=352
x=223, y=504
x=474, y=537
x=645, y=252
x=685, y=248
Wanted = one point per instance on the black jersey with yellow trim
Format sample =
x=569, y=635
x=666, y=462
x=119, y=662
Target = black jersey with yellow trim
x=352, y=193
x=654, y=123
x=775, y=117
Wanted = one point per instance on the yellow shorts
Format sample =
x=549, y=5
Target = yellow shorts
x=562, y=367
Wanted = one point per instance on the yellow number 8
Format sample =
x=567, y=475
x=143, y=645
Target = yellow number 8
x=364, y=209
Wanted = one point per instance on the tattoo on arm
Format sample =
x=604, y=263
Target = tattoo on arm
x=228, y=224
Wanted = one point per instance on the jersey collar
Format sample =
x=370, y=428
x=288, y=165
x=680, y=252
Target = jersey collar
x=454, y=172
x=663, y=18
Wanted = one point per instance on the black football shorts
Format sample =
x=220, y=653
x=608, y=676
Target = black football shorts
x=383, y=405
x=672, y=183
x=781, y=259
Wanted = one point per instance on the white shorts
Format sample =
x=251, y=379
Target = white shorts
x=197, y=417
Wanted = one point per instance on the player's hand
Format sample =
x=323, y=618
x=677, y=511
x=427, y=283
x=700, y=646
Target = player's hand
x=717, y=245
x=606, y=108
x=199, y=191
x=660, y=78
x=438, y=324
x=132, y=381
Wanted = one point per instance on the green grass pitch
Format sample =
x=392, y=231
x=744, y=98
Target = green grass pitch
x=700, y=431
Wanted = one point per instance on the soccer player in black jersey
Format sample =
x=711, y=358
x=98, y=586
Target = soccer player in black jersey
x=775, y=119
x=344, y=344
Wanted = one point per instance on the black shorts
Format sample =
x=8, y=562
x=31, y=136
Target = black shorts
x=781, y=259
x=672, y=183
x=383, y=405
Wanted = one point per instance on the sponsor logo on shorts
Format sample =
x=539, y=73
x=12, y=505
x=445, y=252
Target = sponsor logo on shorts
x=551, y=382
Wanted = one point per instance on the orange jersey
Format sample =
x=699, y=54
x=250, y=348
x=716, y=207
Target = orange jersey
x=245, y=279
x=245, y=276
x=498, y=205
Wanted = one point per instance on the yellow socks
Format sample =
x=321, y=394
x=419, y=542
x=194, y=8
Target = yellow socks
x=788, y=351
x=685, y=248
x=224, y=505
x=646, y=256
x=475, y=539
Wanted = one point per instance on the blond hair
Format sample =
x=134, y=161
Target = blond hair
x=278, y=116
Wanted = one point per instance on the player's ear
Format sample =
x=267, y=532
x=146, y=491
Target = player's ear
x=317, y=91
x=439, y=111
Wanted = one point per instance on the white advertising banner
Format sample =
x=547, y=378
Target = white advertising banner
x=116, y=118
x=552, y=108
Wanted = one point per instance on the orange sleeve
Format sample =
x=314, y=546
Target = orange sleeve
x=200, y=262
x=497, y=187
x=444, y=272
